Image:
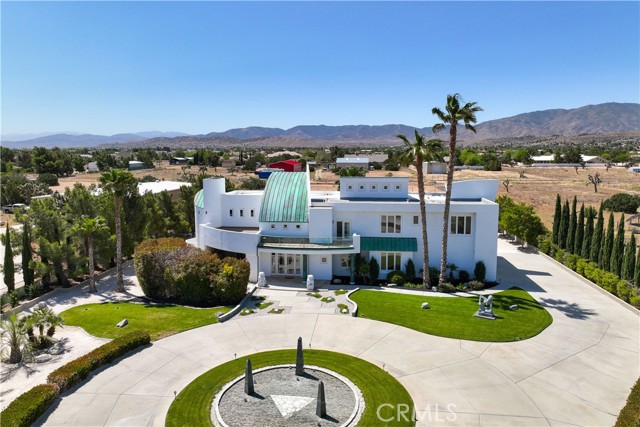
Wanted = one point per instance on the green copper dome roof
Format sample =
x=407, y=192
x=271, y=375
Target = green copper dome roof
x=199, y=200
x=285, y=198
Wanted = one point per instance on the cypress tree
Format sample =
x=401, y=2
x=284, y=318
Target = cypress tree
x=636, y=274
x=577, y=241
x=8, y=268
x=27, y=272
x=596, y=241
x=572, y=226
x=588, y=234
x=564, y=225
x=608, y=244
x=629, y=259
x=618, y=249
x=556, y=219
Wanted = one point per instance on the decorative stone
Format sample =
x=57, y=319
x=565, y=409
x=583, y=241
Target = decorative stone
x=344, y=311
x=56, y=349
x=321, y=403
x=41, y=358
x=299, y=359
x=122, y=323
x=434, y=288
x=248, y=378
x=425, y=305
x=310, y=283
x=514, y=307
x=262, y=280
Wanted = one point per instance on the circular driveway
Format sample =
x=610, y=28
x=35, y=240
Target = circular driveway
x=576, y=372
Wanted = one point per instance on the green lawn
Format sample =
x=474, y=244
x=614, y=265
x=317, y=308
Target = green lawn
x=453, y=317
x=193, y=405
x=159, y=320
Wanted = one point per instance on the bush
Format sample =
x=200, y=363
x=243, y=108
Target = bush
x=463, y=276
x=48, y=178
x=434, y=275
x=622, y=202
x=77, y=370
x=545, y=246
x=396, y=277
x=480, y=271
x=410, y=270
x=635, y=301
x=168, y=270
x=26, y=409
x=476, y=285
x=630, y=414
x=374, y=269
x=446, y=287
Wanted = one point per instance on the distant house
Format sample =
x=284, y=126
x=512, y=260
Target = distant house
x=287, y=166
x=373, y=157
x=434, y=167
x=352, y=162
x=635, y=169
x=172, y=187
x=93, y=167
x=178, y=161
x=592, y=160
x=228, y=163
x=135, y=165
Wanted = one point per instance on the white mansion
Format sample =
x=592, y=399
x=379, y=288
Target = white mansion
x=289, y=230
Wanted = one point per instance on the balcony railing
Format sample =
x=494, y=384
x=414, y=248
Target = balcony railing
x=306, y=242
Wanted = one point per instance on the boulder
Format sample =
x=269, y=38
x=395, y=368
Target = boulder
x=41, y=358
x=122, y=323
x=425, y=305
x=344, y=311
x=56, y=349
x=514, y=307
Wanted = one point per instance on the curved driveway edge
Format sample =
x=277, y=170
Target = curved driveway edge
x=578, y=371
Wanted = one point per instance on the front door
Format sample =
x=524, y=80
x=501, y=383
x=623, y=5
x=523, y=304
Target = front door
x=286, y=264
x=343, y=229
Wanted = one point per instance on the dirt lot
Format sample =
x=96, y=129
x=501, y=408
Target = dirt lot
x=539, y=188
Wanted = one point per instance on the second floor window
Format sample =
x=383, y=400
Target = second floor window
x=390, y=224
x=460, y=225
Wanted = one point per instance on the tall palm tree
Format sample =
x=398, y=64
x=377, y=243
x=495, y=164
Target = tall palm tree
x=87, y=228
x=120, y=184
x=451, y=116
x=419, y=151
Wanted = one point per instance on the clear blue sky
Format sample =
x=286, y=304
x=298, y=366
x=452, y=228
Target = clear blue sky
x=198, y=67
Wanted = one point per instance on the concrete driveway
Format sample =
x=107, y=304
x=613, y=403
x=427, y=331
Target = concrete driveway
x=576, y=372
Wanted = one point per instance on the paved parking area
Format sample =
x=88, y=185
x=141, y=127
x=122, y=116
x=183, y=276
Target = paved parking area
x=576, y=372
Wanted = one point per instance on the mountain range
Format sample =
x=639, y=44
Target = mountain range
x=591, y=119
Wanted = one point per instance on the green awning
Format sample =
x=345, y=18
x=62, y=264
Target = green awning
x=285, y=198
x=199, y=199
x=389, y=244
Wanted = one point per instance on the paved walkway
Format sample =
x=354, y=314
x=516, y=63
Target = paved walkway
x=576, y=372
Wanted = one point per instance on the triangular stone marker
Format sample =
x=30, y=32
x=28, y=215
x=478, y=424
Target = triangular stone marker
x=289, y=405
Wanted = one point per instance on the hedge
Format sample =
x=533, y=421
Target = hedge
x=608, y=281
x=77, y=370
x=26, y=409
x=169, y=270
x=630, y=414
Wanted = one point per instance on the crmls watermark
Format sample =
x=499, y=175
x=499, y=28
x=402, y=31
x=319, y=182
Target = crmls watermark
x=403, y=412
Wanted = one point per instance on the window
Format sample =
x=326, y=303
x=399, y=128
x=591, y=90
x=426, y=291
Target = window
x=390, y=224
x=241, y=212
x=385, y=187
x=344, y=261
x=297, y=225
x=373, y=188
x=460, y=225
x=230, y=212
x=349, y=187
x=416, y=219
x=324, y=260
x=284, y=226
x=397, y=188
x=361, y=187
x=390, y=261
x=251, y=213
x=343, y=229
x=273, y=226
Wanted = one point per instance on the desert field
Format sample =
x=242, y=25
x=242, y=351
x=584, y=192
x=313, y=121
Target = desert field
x=539, y=188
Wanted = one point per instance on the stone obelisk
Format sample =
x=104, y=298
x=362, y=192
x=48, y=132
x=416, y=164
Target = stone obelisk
x=321, y=404
x=248, y=378
x=299, y=359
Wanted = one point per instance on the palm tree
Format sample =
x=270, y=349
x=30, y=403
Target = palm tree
x=454, y=113
x=120, y=184
x=419, y=151
x=87, y=228
x=14, y=337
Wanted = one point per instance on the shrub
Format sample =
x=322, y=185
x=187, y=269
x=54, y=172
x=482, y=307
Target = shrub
x=630, y=415
x=463, y=276
x=410, y=270
x=635, y=301
x=476, y=285
x=480, y=271
x=26, y=409
x=446, y=287
x=396, y=277
x=374, y=269
x=48, y=178
x=545, y=246
x=434, y=275
x=75, y=371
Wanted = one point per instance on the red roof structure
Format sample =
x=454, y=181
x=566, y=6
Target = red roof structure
x=287, y=166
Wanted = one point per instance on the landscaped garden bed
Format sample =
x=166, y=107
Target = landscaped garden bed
x=453, y=317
